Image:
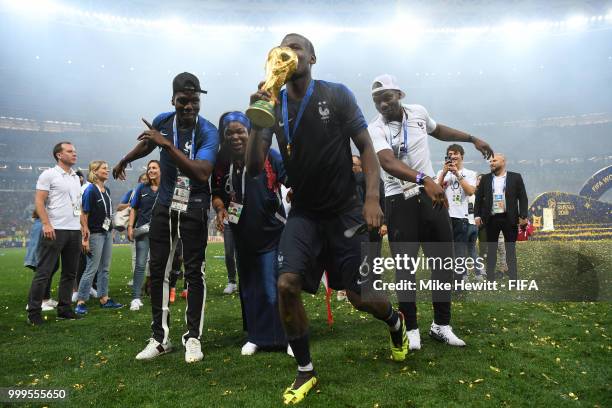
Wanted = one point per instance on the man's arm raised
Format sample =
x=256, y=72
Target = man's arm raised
x=198, y=170
x=259, y=140
x=142, y=149
x=448, y=134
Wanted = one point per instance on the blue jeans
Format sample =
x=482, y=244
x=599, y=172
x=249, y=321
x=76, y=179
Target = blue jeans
x=98, y=260
x=31, y=258
x=230, y=253
x=142, y=257
x=472, y=236
x=460, y=236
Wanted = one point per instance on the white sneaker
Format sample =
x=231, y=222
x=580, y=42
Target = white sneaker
x=414, y=339
x=52, y=302
x=445, y=334
x=230, y=288
x=46, y=306
x=290, y=351
x=135, y=305
x=75, y=297
x=193, y=350
x=140, y=302
x=43, y=306
x=341, y=295
x=154, y=349
x=249, y=349
x=93, y=293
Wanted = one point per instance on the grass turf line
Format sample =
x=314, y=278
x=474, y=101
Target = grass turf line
x=527, y=354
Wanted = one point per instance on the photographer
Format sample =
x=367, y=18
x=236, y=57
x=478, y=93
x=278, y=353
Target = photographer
x=459, y=184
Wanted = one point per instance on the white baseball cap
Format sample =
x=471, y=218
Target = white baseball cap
x=386, y=82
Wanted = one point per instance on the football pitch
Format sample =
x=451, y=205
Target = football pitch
x=518, y=353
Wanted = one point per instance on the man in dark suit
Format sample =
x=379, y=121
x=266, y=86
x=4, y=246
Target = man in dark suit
x=501, y=204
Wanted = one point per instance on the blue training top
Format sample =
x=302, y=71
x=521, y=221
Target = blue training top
x=206, y=146
x=97, y=206
x=143, y=200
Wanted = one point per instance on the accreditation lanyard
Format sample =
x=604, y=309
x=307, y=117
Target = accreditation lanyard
x=404, y=148
x=176, y=141
x=107, y=212
x=298, y=118
x=231, y=183
x=76, y=202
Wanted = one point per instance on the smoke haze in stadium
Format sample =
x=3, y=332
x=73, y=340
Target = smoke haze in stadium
x=509, y=85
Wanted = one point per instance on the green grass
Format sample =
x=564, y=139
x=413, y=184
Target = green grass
x=518, y=354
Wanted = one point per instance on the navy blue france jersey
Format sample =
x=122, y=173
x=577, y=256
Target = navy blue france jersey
x=205, y=147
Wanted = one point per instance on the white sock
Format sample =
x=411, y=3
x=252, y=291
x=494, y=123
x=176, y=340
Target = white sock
x=398, y=325
x=307, y=367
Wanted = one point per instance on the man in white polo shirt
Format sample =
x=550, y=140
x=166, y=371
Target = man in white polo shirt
x=416, y=206
x=58, y=203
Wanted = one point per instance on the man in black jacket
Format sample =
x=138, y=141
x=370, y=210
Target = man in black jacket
x=501, y=204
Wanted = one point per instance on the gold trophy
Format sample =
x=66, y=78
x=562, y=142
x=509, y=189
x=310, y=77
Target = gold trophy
x=282, y=63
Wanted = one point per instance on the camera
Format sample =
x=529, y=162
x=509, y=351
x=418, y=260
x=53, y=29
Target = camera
x=448, y=160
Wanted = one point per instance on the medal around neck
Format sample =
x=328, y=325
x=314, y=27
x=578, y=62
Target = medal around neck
x=281, y=64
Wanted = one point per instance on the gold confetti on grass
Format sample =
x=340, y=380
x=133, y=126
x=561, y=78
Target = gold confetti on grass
x=497, y=370
x=549, y=379
x=77, y=386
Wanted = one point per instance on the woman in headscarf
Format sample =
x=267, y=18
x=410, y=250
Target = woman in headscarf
x=253, y=209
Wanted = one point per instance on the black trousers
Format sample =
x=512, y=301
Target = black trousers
x=495, y=224
x=47, y=294
x=67, y=244
x=177, y=264
x=165, y=230
x=414, y=223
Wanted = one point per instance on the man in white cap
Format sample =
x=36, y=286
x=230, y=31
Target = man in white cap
x=416, y=205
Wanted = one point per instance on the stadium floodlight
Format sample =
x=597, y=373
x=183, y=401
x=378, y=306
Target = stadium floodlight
x=41, y=7
x=404, y=24
x=577, y=22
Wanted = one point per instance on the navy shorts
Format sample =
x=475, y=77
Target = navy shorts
x=311, y=245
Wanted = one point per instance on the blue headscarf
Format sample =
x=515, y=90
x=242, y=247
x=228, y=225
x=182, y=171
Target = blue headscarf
x=239, y=117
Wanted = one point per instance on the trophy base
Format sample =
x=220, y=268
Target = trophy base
x=261, y=114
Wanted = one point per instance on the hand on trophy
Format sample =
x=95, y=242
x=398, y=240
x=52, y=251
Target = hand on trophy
x=260, y=95
x=281, y=64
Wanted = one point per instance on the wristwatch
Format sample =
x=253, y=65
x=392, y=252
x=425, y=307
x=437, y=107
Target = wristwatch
x=420, y=178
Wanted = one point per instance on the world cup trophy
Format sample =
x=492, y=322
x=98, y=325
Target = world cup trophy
x=281, y=64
